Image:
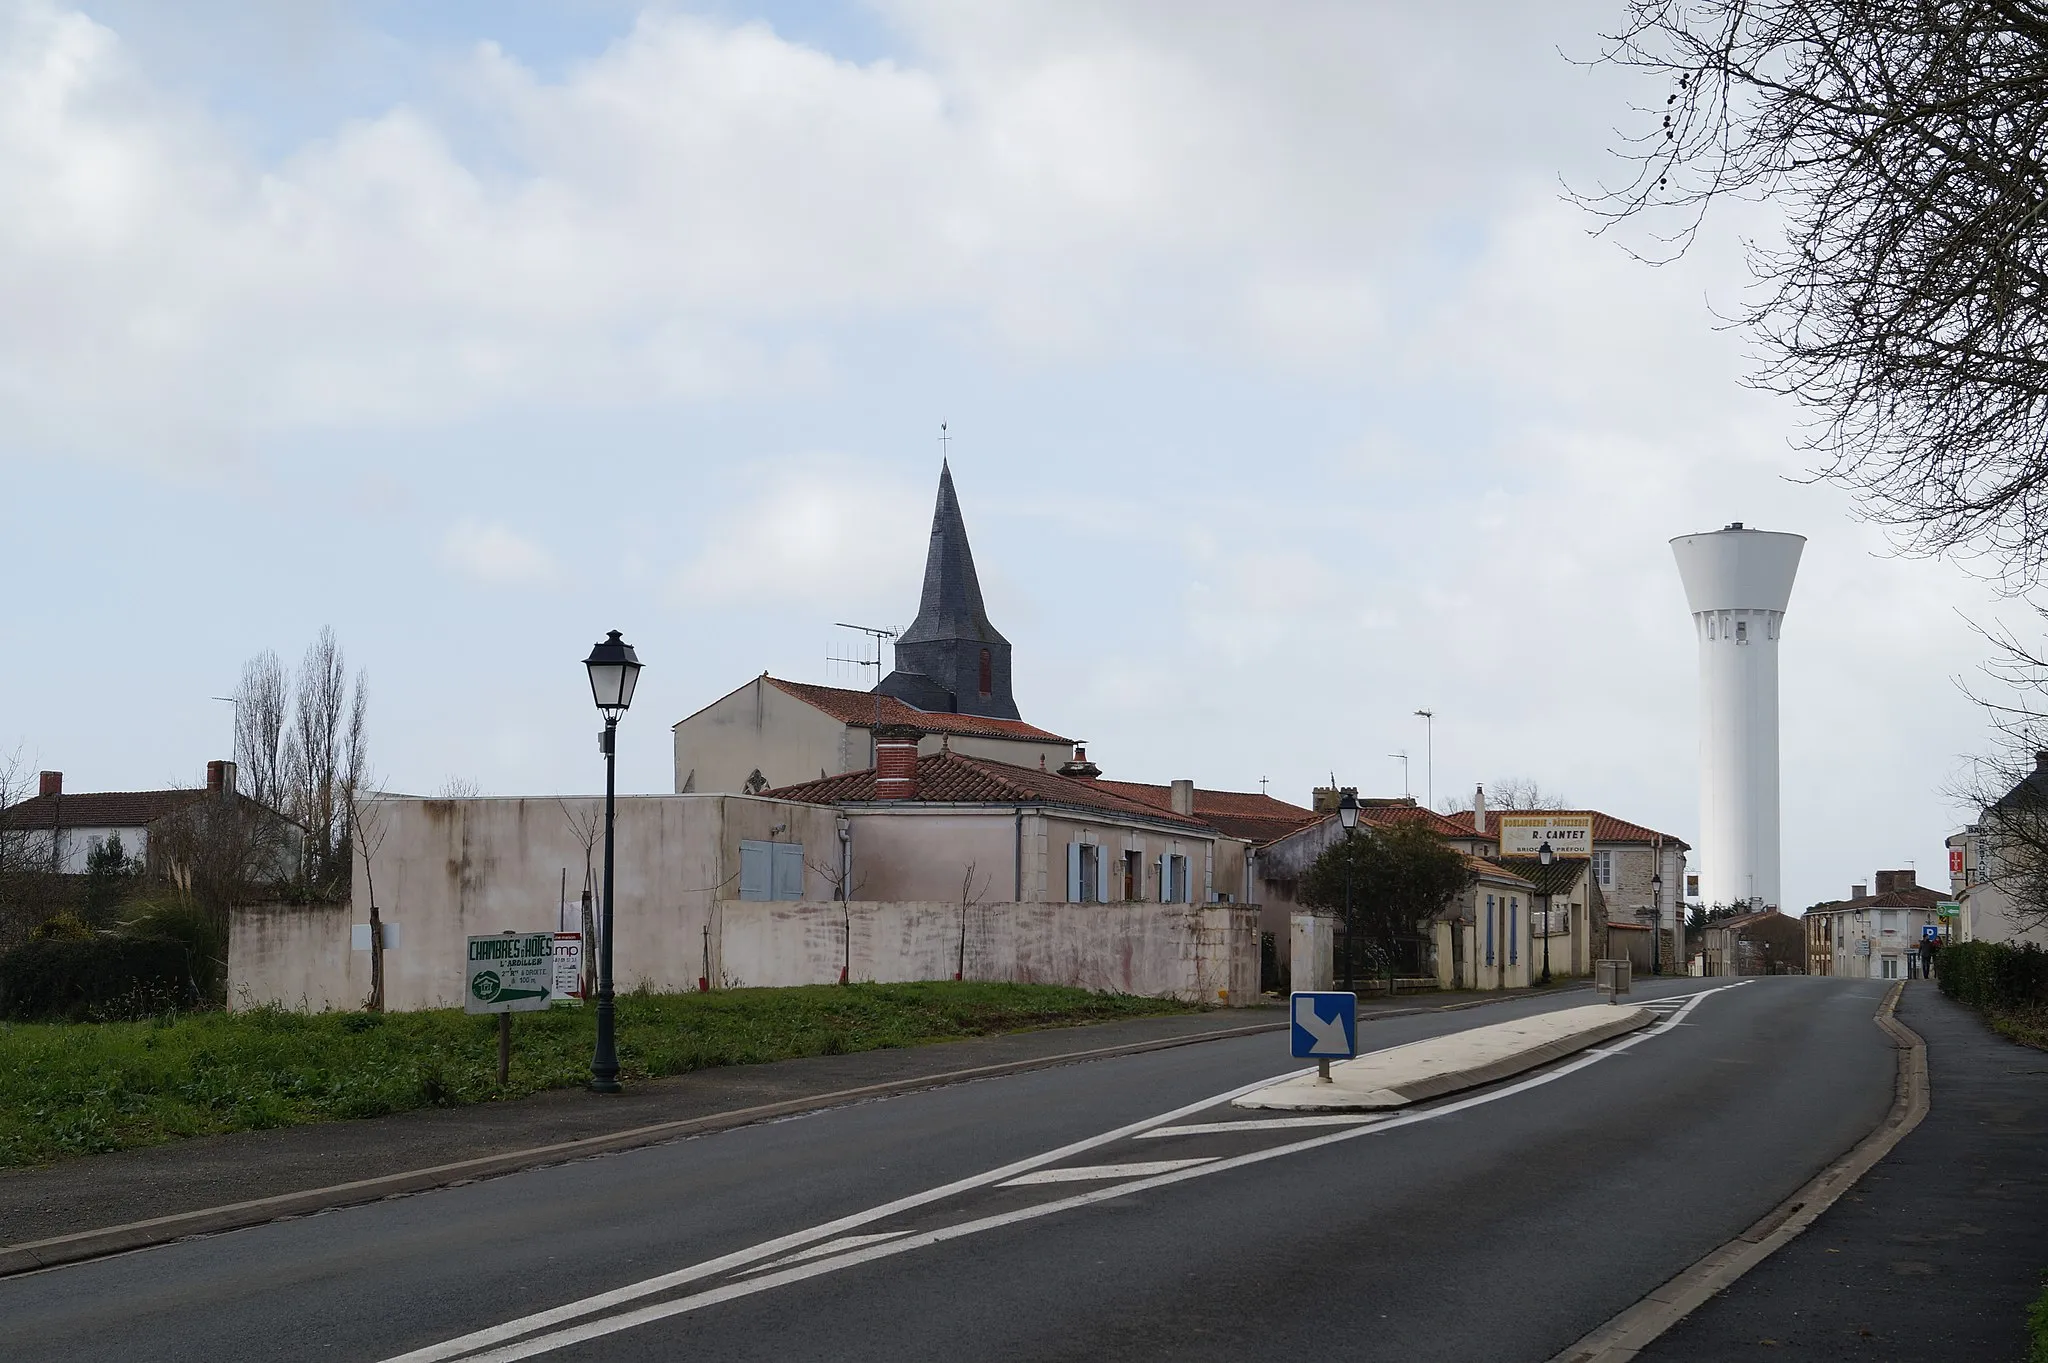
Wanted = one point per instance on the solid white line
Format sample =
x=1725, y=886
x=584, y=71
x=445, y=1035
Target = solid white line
x=1102, y=1173
x=646, y=1315
x=1264, y=1124
x=839, y=1246
x=781, y=1245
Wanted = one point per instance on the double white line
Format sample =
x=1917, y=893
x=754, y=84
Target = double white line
x=523, y=1338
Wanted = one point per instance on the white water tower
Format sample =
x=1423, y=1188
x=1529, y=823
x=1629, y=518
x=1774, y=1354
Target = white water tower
x=1738, y=582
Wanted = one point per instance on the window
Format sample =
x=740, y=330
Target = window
x=1742, y=631
x=1603, y=869
x=988, y=673
x=1173, y=879
x=771, y=870
x=1134, y=876
x=1087, y=882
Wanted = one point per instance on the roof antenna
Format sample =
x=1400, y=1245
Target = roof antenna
x=873, y=633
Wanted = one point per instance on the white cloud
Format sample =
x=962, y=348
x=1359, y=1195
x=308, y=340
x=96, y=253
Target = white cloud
x=496, y=556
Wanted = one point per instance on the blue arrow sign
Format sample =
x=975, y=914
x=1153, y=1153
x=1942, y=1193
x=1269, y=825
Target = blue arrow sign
x=1325, y=1026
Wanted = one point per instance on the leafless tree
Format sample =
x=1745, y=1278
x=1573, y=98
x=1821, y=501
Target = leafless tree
x=970, y=899
x=262, y=706
x=458, y=788
x=26, y=882
x=325, y=752
x=843, y=892
x=1515, y=793
x=366, y=822
x=222, y=851
x=1903, y=306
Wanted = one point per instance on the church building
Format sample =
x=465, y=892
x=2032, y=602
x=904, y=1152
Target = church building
x=951, y=682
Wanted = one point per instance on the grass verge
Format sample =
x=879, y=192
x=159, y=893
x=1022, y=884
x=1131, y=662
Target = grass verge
x=2037, y=1326
x=2029, y=1027
x=88, y=1088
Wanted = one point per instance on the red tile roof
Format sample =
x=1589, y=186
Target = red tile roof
x=1918, y=897
x=1387, y=815
x=98, y=809
x=951, y=778
x=1606, y=828
x=864, y=709
x=1243, y=814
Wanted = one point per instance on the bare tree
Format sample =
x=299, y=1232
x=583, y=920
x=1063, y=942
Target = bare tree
x=1515, y=793
x=458, y=788
x=262, y=705
x=1903, y=140
x=25, y=855
x=843, y=892
x=970, y=899
x=366, y=823
x=325, y=751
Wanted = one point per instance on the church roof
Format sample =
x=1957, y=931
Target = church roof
x=864, y=709
x=950, y=607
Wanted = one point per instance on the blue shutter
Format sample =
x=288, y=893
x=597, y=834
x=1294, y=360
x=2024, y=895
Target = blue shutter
x=757, y=879
x=1073, y=873
x=1514, y=930
x=1489, y=929
x=789, y=870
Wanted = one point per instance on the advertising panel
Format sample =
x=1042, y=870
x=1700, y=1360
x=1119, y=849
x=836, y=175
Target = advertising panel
x=1569, y=835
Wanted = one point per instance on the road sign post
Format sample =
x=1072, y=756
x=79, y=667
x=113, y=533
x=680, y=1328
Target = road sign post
x=1325, y=1028
x=511, y=972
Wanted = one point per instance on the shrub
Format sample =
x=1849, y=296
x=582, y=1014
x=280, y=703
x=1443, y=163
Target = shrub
x=186, y=922
x=99, y=979
x=1994, y=975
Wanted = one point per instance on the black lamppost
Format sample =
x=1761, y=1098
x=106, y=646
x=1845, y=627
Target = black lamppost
x=1347, y=815
x=614, y=669
x=1657, y=918
x=1544, y=856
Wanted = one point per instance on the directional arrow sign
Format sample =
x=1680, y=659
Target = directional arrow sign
x=511, y=972
x=1325, y=1026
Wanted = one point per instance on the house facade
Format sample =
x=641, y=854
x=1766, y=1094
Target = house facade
x=1985, y=859
x=1639, y=872
x=68, y=827
x=1870, y=936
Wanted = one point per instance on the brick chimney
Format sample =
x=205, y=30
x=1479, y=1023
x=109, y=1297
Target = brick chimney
x=1858, y=891
x=1184, y=799
x=896, y=761
x=220, y=778
x=1080, y=768
x=1889, y=881
x=1479, y=810
x=52, y=783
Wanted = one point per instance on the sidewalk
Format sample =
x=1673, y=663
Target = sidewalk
x=1936, y=1253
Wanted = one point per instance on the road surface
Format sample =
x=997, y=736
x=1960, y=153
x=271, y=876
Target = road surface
x=1118, y=1209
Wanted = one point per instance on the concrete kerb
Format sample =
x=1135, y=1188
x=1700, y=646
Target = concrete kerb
x=1627, y=1334
x=33, y=1255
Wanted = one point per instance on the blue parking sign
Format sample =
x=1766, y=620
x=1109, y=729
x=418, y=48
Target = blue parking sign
x=1325, y=1025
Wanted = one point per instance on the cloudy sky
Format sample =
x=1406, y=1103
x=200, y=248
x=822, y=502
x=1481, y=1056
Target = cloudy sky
x=1287, y=395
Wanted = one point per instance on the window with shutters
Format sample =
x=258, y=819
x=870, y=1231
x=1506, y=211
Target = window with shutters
x=1173, y=879
x=1087, y=874
x=1514, y=930
x=771, y=870
x=1489, y=929
x=1134, y=876
x=1603, y=869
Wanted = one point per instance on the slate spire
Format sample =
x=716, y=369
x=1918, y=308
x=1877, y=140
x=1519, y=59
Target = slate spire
x=951, y=657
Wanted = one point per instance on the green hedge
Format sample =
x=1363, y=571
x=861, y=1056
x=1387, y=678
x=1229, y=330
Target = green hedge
x=99, y=979
x=1994, y=975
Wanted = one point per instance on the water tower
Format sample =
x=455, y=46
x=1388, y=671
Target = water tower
x=1738, y=582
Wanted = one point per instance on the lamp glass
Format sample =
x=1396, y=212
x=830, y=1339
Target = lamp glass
x=1347, y=810
x=1544, y=855
x=614, y=671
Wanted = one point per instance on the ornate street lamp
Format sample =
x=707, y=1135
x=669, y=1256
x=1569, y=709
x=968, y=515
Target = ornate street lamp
x=614, y=670
x=1657, y=918
x=1347, y=815
x=1544, y=856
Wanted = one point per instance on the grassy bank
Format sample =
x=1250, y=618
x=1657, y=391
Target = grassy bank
x=86, y=1088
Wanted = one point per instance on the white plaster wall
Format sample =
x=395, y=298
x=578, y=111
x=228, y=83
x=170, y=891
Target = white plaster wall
x=924, y=856
x=74, y=845
x=762, y=727
x=293, y=955
x=1203, y=954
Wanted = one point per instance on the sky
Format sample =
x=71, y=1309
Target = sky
x=1287, y=394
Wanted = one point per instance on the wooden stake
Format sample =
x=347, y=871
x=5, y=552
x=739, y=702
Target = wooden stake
x=504, y=1048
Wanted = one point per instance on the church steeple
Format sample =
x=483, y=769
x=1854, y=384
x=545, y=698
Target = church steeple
x=951, y=657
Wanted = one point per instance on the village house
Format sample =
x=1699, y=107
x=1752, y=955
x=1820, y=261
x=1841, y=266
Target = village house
x=1986, y=882
x=1868, y=936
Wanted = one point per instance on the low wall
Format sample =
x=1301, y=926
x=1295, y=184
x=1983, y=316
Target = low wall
x=293, y=955
x=1205, y=953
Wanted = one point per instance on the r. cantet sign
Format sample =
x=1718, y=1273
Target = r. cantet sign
x=1569, y=835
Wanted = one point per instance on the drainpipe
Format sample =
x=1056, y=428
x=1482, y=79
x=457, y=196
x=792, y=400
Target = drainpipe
x=1017, y=896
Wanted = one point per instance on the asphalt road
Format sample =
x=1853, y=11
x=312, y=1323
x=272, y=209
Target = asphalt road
x=1501, y=1224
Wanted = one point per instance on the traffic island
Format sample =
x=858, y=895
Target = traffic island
x=1429, y=1069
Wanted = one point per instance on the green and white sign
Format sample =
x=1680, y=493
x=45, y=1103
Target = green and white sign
x=1948, y=908
x=512, y=972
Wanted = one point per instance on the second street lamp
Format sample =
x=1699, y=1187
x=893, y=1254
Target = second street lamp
x=1347, y=815
x=614, y=671
x=1544, y=856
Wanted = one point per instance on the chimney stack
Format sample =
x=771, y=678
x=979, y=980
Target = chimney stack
x=896, y=761
x=1081, y=769
x=1479, y=810
x=220, y=778
x=1858, y=891
x=1889, y=881
x=52, y=783
x=1184, y=799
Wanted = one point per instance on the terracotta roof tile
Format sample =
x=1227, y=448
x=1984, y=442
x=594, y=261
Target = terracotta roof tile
x=862, y=710
x=1250, y=815
x=99, y=809
x=951, y=778
x=1606, y=828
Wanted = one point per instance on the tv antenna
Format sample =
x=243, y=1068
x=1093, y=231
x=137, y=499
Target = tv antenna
x=874, y=633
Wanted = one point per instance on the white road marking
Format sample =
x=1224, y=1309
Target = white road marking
x=839, y=1246
x=467, y=1346
x=1264, y=1124
x=1100, y=1173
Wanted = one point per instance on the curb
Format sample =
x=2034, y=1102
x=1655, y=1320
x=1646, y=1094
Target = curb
x=1627, y=1334
x=93, y=1244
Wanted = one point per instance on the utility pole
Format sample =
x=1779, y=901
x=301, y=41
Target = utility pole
x=1428, y=718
